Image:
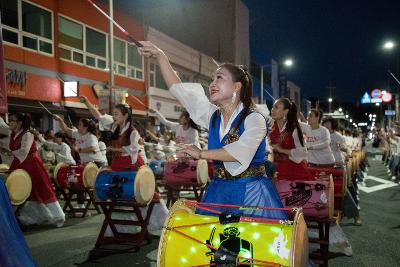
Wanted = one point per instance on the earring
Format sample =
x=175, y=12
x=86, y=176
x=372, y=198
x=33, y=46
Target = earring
x=233, y=97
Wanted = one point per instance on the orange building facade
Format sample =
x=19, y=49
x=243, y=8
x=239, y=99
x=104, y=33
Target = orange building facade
x=49, y=42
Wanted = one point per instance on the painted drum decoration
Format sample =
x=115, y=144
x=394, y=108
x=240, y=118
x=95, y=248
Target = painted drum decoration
x=190, y=239
x=136, y=186
x=77, y=177
x=316, y=198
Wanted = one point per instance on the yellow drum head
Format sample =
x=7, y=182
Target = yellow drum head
x=144, y=185
x=19, y=186
x=4, y=167
x=202, y=171
x=89, y=174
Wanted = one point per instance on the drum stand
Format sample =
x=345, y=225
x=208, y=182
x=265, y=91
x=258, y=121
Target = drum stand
x=323, y=226
x=174, y=190
x=135, y=239
x=88, y=200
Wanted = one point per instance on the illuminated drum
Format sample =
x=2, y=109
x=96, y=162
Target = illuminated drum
x=157, y=166
x=19, y=186
x=315, y=197
x=189, y=239
x=76, y=177
x=125, y=185
x=338, y=174
x=186, y=172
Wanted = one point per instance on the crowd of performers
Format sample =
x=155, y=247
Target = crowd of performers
x=242, y=143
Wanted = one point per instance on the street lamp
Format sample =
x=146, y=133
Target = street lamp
x=287, y=63
x=340, y=109
x=388, y=45
x=330, y=104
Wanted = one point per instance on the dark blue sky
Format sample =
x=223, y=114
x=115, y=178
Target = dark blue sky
x=337, y=41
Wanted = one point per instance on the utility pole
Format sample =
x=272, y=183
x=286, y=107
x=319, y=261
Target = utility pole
x=330, y=88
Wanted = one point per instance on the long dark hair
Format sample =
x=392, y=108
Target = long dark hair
x=240, y=74
x=334, y=124
x=24, y=118
x=191, y=122
x=125, y=109
x=292, y=121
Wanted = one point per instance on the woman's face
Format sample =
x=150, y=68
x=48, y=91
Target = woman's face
x=278, y=111
x=118, y=117
x=81, y=127
x=312, y=119
x=222, y=87
x=14, y=123
x=58, y=140
x=183, y=120
x=328, y=125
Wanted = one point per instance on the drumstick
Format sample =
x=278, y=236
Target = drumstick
x=116, y=24
x=48, y=111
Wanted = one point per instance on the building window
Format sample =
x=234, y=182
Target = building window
x=81, y=44
x=36, y=30
x=156, y=79
x=128, y=61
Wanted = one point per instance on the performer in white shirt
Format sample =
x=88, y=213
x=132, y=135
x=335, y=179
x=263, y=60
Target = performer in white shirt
x=236, y=135
x=318, y=140
x=338, y=143
x=187, y=132
x=61, y=149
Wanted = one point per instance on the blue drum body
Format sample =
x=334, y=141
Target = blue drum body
x=157, y=166
x=115, y=185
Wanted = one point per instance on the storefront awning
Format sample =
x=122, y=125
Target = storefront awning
x=33, y=106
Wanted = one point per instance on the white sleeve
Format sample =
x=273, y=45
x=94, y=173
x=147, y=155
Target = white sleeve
x=133, y=149
x=106, y=121
x=325, y=140
x=163, y=120
x=4, y=129
x=246, y=147
x=299, y=153
x=75, y=134
x=193, y=98
x=92, y=141
x=26, y=144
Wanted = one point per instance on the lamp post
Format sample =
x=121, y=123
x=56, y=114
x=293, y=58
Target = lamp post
x=287, y=63
x=330, y=104
x=390, y=45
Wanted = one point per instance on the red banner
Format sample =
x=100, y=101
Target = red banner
x=3, y=91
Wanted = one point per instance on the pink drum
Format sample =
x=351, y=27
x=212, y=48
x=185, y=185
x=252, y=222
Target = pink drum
x=338, y=175
x=186, y=172
x=315, y=197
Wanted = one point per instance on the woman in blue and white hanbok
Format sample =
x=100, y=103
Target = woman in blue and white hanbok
x=236, y=141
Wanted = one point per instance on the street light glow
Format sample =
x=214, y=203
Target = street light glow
x=330, y=99
x=389, y=45
x=377, y=104
x=288, y=62
x=340, y=109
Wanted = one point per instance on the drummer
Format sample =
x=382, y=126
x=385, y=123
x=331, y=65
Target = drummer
x=287, y=141
x=186, y=131
x=42, y=206
x=318, y=141
x=236, y=135
x=61, y=149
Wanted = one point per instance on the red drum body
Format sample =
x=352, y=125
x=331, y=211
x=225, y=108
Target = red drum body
x=315, y=197
x=338, y=174
x=76, y=177
x=186, y=172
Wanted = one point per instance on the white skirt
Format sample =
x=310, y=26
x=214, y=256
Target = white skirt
x=39, y=213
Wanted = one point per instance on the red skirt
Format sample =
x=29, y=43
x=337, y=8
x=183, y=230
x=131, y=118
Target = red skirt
x=42, y=190
x=123, y=163
x=289, y=170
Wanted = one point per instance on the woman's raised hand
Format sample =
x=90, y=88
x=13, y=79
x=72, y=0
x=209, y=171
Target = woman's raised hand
x=149, y=50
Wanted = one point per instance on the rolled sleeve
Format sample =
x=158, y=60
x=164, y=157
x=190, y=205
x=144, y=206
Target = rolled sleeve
x=299, y=153
x=134, y=147
x=246, y=147
x=26, y=143
x=106, y=121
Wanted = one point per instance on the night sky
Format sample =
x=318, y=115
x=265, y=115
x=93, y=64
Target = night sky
x=330, y=41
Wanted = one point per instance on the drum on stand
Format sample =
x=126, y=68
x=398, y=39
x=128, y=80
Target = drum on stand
x=185, y=235
x=19, y=186
x=186, y=172
x=338, y=175
x=76, y=177
x=125, y=185
x=315, y=197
